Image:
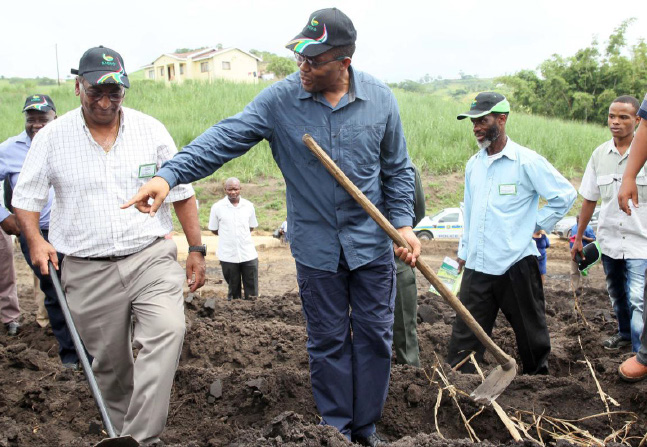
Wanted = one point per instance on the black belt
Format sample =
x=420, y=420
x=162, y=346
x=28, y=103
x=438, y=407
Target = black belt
x=107, y=258
x=119, y=258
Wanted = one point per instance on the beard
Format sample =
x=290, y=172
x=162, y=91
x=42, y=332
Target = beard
x=492, y=134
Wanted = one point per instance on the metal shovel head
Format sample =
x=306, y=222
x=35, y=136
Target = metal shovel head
x=495, y=383
x=121, y=441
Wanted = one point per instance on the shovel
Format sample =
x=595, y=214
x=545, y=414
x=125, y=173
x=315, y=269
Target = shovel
x=501, y=376
x=113, y=441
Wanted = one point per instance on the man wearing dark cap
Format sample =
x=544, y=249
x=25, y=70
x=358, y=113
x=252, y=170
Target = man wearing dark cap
x=503, y=184
x=39, y=110
x=118, y=265
x=343, y=258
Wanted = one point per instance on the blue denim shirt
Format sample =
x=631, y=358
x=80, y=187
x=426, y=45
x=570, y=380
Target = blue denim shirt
x=501, y=207
x=362, y=134
x=12, y=156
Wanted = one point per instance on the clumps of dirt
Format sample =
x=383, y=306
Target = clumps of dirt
x=243, y=379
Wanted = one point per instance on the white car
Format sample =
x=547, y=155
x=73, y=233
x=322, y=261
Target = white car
x=445, y=224
x=564, y=226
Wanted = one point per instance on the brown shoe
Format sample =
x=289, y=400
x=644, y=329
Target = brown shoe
x=632, y=370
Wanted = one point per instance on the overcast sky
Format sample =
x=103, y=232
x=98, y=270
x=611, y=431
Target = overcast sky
x=397, y=40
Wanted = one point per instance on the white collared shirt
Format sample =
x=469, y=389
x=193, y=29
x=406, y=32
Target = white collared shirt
x=90, y=184
x=620, y=236
x=233, y=224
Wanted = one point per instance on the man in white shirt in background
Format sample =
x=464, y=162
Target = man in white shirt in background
x=117, y=264
x=233, y=219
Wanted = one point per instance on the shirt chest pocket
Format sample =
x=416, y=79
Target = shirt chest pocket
x=607, y=185
x=641, y=184
x=364, y=144
x=298, y=151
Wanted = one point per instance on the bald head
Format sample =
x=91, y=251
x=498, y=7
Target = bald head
x=232, y=189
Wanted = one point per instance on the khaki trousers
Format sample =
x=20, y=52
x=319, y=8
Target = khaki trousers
x=103, y=296
x=9, y=308
x=42, y=318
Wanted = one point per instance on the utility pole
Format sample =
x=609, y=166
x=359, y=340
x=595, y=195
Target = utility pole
x=58, y=76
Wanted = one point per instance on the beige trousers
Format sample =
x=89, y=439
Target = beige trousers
x=42, y=318
x=9, y=308
x=103, y=296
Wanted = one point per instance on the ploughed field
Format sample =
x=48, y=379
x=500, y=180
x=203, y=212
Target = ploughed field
x=243, y=377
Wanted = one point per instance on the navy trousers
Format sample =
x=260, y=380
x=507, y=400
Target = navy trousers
x=349, y=320
x=66, y=350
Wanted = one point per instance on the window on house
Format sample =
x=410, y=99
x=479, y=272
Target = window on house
x=162, y=71
x=181, y=69
x=226, y=65
x=151, y=74
x=204, y=66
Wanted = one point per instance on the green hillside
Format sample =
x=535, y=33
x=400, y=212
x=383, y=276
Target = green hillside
x=438, y=143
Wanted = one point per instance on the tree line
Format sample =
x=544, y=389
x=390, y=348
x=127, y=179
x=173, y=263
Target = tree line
x=582, y=86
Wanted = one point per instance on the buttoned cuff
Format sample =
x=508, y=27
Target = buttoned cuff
x=167, y=175
x=462, y=252
x=404, y=221
x=4, y=213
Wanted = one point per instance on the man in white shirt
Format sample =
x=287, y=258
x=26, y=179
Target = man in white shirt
x=623, y=238
x=233, y=219
x=117, y=264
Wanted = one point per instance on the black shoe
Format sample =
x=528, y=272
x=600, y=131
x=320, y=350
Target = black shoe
x=616, y=342
x=12, y=328
x=372, y=441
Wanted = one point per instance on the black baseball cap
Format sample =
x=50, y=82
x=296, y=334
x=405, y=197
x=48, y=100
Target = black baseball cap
x=42, y=103
x=485, y=103
x=326, y=28
x=100, y=65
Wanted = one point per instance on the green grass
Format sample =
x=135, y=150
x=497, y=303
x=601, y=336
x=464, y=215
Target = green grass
x=437, y=142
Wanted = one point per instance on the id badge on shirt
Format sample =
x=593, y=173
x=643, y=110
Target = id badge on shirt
x=147, y=171
x=508, y=189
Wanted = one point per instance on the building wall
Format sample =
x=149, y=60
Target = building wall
x=235, y=66
x=241, y=68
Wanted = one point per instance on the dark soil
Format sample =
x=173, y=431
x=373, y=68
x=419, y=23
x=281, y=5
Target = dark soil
x=243, y=377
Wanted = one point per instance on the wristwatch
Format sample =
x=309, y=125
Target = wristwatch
x=198, y=248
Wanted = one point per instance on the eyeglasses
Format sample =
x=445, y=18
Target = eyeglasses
x=301, y=59
x=96, y=95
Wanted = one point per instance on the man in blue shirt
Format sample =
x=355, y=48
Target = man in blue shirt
x=503, y=183
x=39, y=110
x=343, y=258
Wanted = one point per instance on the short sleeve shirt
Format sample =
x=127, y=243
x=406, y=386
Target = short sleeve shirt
x=620, y=236
x=91, y=185
x=233, y=224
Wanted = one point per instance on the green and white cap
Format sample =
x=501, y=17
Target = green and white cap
x=486, y=103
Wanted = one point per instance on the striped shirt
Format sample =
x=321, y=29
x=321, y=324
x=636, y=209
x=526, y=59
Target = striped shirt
x=90, y=184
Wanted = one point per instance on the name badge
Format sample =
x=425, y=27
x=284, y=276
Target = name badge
x=146, y=171
x=509, y=189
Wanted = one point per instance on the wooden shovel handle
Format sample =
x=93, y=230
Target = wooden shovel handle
x=463, y=313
